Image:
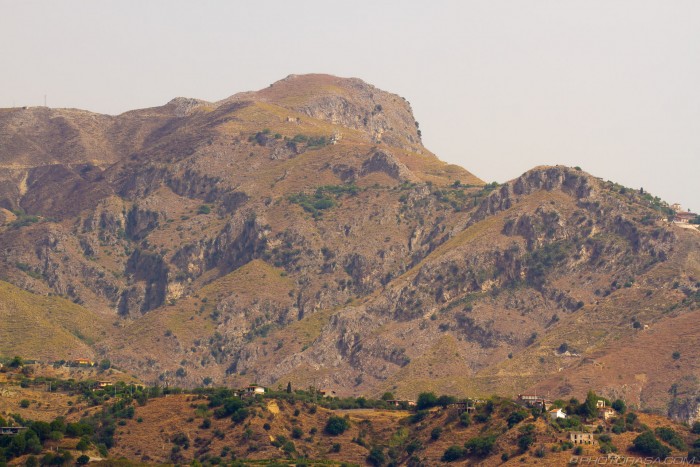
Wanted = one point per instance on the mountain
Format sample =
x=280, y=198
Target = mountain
x=303, y=233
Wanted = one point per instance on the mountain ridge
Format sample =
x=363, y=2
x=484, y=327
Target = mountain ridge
x=302, y=232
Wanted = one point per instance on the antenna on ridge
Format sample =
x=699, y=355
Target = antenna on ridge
x=44, y=100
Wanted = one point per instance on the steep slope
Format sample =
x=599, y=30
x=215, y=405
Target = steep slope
x=303, y=233
x=45, y=328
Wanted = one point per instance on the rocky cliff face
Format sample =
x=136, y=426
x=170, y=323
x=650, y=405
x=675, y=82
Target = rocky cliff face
x=302, y=233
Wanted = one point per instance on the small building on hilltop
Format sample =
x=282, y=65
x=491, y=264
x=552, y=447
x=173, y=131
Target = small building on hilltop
x=254, y=390
x=578, y=437
x=680, y=216
x=401, y=403
x=556, y=413
x=11, y=430
x=606, y=413
x=82, y=362
x=327, y=393
x=684, y=217
x=533, y=400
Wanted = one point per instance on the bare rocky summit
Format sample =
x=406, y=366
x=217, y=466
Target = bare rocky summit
x=303, y=233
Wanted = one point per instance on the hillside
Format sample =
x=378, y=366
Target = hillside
x=149, y=425
x=46, y=328
x=303, y=233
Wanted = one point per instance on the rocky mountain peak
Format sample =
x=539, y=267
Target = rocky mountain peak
x=349, y=102
x=183, y=106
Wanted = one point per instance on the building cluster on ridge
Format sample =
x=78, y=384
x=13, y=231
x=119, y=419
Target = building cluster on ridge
x=680, y=216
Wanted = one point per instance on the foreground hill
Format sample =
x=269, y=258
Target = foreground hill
x=135, y=425
x=303, y=233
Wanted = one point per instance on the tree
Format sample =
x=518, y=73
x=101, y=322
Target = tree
x=336, y=425
x=481, y=446
x=694, y=453
x=82, y=460
x=105, y=365
x=525, y=441
x=453, y=453
x=376, y=456
x=676, y=355
x=589, y=407
x=646, y=443
x=387, y=396
x=289, y=387
x=16, y=362
x=620, y=406
x=426, y=400
x=696, y=428
x=516, y=417
x=83, y=445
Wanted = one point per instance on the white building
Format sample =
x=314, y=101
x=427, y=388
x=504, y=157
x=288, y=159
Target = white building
x=556, y=413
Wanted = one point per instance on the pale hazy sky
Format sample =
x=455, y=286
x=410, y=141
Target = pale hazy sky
x=497, y=86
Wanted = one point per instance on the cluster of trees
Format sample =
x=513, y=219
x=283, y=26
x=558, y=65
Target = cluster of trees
x=37, y=433
x=96, y=430
x=324, y=198
x=479, y=447
x=647, y=444
x=228, y=405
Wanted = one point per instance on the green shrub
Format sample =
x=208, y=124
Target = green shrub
x=453, y=453
x=336, y=425
x=671, y=437
x=525, y=441
x=83, y=445
x=620, y=406
x=646, y=443
x=540, y=451
x=418, y=416
x=376, y=456
x=696, y=428
x=481, y=446
x=516, y=417
x=694, y=454
x=413, y=446
x=16, y=362
x=288, y=447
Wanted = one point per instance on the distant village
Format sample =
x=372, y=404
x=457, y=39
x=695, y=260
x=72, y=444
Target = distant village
x=470, y=406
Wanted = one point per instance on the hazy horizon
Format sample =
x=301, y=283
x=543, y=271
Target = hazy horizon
x=497, y=86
